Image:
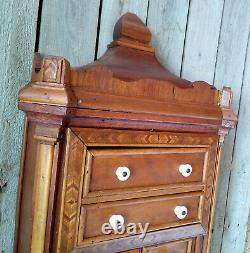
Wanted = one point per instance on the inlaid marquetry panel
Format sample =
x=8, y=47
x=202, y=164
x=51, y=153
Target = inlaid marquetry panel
x=71, y=189
x=108, y=137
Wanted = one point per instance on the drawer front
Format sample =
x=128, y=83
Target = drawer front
x=146, y=168
x=159, y=212
x=184, y=246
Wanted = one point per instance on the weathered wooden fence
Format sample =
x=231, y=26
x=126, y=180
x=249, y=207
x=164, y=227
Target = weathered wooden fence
x=198, y=40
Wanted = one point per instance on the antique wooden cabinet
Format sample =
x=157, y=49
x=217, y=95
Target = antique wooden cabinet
x=119, y=141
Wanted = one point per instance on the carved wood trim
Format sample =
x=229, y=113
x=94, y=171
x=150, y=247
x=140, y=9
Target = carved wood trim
x=229, y=118
x=50, y=82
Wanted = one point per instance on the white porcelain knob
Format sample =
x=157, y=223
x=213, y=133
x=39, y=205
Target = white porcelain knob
x=116, y=221
x=123, y=173
x=185, y=170
x=181, y=212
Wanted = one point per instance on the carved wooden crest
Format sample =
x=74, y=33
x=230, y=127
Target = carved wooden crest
x=127, y=84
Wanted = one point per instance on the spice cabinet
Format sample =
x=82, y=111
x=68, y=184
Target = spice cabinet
x=119, y=141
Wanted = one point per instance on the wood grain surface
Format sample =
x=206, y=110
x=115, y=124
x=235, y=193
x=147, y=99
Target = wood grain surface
x=205, y=40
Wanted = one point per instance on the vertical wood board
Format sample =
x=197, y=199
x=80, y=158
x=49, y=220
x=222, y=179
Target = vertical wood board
x=69, y=29
x=229, y=71
x=201, y=42
x=167, y=22
x=238, y=203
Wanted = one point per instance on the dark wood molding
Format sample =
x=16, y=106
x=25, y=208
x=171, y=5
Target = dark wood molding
x=229, y=118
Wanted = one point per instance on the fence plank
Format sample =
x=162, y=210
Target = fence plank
x=69, y=29
x=202, y=39
x=17, y=33
x=111, y=11
x=229, y=71
x=238, y=203
x=167, y=22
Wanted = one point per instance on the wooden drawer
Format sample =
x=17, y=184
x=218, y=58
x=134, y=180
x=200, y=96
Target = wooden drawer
x=184, y=246
x=159, y=212
x=149, y=168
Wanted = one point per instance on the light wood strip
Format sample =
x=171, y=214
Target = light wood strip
x=44, y=164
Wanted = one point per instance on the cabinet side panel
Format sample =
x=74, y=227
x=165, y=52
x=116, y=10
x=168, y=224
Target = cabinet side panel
x=40, y=160
x=70, y=192
x=26, y=207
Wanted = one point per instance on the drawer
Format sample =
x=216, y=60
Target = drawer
x=160, y=212
x=184, y=246
x=117, y=170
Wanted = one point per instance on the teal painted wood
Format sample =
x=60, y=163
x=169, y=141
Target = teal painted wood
x=111, y=11
x=17, y=33
x=202, y=40
x=238, y=203
x=229, y=71
x=167, y=22
x=69, y=28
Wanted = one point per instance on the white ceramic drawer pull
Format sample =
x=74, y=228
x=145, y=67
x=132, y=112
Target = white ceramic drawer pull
x=123, y=173
x=185, y=170
x=116, y=221
x=181, y=212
